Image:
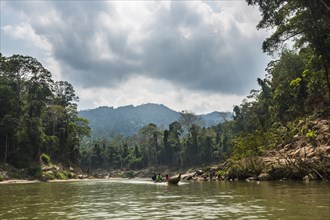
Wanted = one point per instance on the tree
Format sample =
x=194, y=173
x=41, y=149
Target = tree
x=34, y=118
x=150, y=135
x=288, y=91
x=135, y=158
x=9, y=120
x=77, y=129
x=307, y=22
x=168, y=152
x=64, y=94
x=30, y=85
x=70, y=127
x=207, y=137
x=174, y=134
x=118, y=151
x=188, y=119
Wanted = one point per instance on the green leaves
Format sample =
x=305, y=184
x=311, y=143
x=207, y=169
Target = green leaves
x=38, y=115
x=306, y=24
x=295, y=82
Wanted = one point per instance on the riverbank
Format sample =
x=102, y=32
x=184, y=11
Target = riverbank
x=41, y=173
x=20, y=181
x=305, y=157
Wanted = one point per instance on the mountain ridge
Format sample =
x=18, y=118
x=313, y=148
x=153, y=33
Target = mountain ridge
x=127, y=120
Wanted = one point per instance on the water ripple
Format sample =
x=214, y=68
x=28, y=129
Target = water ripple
x=142, y=199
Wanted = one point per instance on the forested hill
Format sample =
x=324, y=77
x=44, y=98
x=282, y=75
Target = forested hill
x=127, y=120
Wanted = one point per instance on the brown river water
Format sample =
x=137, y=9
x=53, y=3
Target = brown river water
x=143, y=199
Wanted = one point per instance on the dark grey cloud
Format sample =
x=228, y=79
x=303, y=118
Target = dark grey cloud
x=195, y=46
x=224, y=61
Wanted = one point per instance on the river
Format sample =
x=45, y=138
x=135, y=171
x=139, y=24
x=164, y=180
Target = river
x=142, y=199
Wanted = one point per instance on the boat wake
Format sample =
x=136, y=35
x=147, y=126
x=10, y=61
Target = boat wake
x=145, y=181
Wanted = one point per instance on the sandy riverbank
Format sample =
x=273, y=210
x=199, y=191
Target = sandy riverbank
x=20, y=181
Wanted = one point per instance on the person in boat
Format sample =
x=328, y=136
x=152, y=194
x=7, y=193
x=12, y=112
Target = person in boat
x=159, y=178
x=167, y=177
x=154, y=177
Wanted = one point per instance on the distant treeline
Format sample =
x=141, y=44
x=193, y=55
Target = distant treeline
x=37, y=115
x=183, y=144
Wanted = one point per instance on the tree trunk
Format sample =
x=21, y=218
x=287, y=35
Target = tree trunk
x=149, y=152
x=89, y=160
x=6, y=149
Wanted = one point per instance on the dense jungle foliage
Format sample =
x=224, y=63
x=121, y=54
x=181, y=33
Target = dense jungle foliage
x=183, y=144
x=37, y=115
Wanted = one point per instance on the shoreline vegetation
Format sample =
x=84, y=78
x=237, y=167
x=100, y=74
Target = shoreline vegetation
x=302, y=159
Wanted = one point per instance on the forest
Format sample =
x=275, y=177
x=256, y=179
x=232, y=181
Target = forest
x=184, y=144
x=39, y=116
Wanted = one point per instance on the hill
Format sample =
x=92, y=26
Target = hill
x=127, y=120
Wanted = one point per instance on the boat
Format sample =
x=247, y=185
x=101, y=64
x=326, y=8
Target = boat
x=174, y=180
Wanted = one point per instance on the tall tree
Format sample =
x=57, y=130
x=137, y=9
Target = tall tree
x=150, y=139
x=307, y=22
x=34, y=119
x=192, y=148
x=188, y=119
x=175, y=131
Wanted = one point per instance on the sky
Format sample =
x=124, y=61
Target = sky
x=201, y=56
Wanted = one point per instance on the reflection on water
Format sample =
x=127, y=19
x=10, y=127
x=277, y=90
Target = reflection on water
x=143, y=199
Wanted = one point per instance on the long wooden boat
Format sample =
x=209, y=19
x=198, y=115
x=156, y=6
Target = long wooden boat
x=174, y=180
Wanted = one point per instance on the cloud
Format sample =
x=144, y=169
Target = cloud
x=186, y=42
x=171, y=95
x=26, y=32
x=204, y=47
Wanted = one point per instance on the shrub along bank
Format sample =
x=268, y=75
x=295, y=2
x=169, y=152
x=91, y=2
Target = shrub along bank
x=306, y=157
x=44, y=170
